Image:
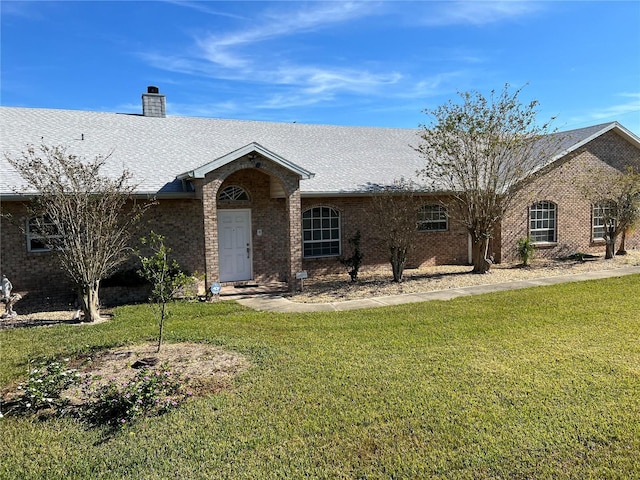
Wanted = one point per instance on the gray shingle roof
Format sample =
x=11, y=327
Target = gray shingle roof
x=157, y=150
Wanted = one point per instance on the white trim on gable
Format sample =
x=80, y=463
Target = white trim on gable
x=253, y=147
x=628, y=135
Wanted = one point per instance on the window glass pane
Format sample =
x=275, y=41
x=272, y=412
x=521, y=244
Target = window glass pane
x=37, y=244
x=39, y=231
x=542, y=222
x=321, y=236
x=432, y=218
x=233, y=193
x=603, y=214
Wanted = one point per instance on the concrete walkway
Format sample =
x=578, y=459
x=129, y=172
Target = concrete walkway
x=277, y=303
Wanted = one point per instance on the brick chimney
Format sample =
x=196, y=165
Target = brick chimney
x=154, y=104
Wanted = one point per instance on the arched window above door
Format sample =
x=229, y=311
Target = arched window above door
x=233, y=193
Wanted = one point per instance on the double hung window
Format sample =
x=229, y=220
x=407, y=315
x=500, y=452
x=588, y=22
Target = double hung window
x=543, y=226
x=40, y=232
x=321, y=232
x=433, y=218
x=603, y=214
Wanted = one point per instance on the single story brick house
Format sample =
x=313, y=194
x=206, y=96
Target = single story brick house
x=260, y=201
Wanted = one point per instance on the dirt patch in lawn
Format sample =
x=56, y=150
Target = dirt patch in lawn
x=204, y=368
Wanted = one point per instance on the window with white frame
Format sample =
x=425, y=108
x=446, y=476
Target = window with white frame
x=433, y=218
x=39, y=231
x=543, y=222
x=603, y=213
x=321, y=232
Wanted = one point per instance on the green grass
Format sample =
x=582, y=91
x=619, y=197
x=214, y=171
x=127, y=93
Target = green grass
x=537, y=383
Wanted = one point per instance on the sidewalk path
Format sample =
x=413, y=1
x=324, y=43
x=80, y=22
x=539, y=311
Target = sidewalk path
x=277, y=303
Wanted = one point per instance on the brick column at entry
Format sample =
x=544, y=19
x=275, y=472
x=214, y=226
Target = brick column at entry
x=295, y=238
x=210, y=207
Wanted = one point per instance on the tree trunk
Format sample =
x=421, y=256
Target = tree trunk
x=163, y=311
x=611, y=249
x=480, y=263
x=89, y=302
x=610, y=238
x=622, y=250
x=398, y=261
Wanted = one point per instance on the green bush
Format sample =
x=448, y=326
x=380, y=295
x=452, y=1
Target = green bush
x=525, y=250
x=44, y=387
x=353, y=262
x=149, y=393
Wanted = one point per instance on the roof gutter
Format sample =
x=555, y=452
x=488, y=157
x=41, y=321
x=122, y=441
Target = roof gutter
x=13, y=197
x=367, y=194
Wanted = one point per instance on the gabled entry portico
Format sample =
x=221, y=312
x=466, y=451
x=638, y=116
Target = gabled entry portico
x=257, y=235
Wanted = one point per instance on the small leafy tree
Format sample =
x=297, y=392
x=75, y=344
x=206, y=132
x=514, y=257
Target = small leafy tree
x=165, y=276
x=616, y=198
x=79, y=213
x=353, y=262
x=481, y=150
x=395, y=214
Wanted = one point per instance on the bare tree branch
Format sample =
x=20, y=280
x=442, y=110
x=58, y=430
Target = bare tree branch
x=85, y=216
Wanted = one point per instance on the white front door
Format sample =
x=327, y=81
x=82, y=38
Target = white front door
x=234, y=245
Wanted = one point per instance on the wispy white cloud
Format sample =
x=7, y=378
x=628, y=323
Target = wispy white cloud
x=475, y=13
x=265, y=49
x=229, y=50
x=28, y=10
x=631, y=105
x=204, y=7
x=626, y=111
x=433, y=85
x=244, y=55
x=316, y=80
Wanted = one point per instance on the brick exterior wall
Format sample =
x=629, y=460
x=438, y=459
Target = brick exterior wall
x=190, y=225
x=560, y=184
x=38, y=275
x=431, y=248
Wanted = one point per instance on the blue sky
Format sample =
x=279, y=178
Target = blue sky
x=346, y=63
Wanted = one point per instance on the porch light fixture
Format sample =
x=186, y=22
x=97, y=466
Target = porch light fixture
x=252, y=158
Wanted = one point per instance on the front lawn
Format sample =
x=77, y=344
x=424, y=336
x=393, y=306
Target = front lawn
x=536, y=383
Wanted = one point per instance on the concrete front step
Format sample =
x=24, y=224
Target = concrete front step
x=250, y=289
